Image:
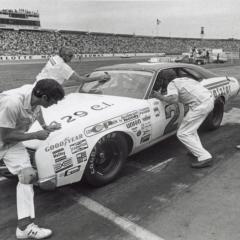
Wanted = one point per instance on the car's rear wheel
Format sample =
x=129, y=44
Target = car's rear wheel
x=106, y=159
x=214, y=119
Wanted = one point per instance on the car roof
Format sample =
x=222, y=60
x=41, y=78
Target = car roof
x=145, y=66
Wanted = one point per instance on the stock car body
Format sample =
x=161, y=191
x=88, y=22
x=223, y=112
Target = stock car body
x=104, y=123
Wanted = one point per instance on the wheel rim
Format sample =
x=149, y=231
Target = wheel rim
x=107, y=157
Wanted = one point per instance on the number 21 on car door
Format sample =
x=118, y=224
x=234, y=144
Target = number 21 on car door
x=166, y=118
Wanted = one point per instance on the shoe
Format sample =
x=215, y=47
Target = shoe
x=32, y=231
x=202, y=164
x=238, y=147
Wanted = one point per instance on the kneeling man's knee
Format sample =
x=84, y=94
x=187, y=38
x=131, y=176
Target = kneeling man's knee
x=27, y=176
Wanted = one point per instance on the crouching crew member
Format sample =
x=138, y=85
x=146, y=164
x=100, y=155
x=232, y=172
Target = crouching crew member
x=200, y=102
x=18, y=110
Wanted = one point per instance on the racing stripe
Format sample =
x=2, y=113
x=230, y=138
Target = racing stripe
x=217, y=86
x=216, y=83
x=52, y=61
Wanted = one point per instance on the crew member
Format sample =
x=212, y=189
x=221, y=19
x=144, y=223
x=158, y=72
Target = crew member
x=58, y=68
x=200, y=102
x=18, y=110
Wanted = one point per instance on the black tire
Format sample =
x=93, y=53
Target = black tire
x=106, y=160
x=214, y=119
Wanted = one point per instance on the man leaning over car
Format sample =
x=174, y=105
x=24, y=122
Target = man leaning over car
x=18, y=110
x=200, y=102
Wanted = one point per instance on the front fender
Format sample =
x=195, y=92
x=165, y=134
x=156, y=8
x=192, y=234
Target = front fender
x=63, y=157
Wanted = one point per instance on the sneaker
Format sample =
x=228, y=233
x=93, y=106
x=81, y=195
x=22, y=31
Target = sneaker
x=202, y=164
x=32, y=231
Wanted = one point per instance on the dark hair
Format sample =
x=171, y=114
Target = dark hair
x=66, y=52
x=49, y=87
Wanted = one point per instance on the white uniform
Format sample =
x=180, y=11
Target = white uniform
x=16, y=113
x=56, y=69
x=201, y=103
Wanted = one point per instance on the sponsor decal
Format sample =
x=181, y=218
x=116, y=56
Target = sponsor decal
x=103, y=126
x=220, y=91
x=72, y=171
x=134, y=129
x=133, y=123
x=63, y=143
x=145, y=138
x=156, y=111
x=59, y=154
x=130, y=116
x=156, y=103
x=81, y=157
x=58, y=167
x=145, y=118
x=144, y=111
x=78, y=146
x=139, y=133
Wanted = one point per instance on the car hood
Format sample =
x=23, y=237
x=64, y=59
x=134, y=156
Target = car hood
x=79, y=111
x=89, y=108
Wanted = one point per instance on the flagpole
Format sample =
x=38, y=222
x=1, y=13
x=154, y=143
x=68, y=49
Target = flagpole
x=157, y=34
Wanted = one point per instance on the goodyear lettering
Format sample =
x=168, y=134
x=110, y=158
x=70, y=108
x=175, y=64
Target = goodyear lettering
x=63, y=143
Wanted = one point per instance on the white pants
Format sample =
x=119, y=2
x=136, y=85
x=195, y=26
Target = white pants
x=187, y=132
x=16, y=158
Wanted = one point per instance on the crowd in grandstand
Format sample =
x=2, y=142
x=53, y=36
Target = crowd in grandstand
x=26, y=42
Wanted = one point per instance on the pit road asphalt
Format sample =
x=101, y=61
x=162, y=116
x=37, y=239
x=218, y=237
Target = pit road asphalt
x=158, y=196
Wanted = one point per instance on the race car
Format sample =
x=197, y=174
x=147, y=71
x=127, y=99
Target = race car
x=105, y=122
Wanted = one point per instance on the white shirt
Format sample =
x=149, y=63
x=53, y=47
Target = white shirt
x=189, y=91
x=56, y=69
x=16, y=110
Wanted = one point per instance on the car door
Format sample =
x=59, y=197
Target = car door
x=166, y=117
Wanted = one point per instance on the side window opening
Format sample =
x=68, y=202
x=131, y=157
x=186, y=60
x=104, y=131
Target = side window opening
x=190, y=73
x=164, y=77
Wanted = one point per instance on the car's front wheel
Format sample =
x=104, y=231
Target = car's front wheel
x=106, y=159
x=214, y=119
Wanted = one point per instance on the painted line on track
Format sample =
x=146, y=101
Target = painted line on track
x=158, y=167
x=126, y=225
x=152, y=168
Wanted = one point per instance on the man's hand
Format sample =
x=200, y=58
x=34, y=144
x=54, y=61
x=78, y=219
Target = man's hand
x=104, y=78
x=53, y=126
x=154, y=94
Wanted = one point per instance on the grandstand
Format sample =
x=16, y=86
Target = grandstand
x=19, y=38
x=19, y=19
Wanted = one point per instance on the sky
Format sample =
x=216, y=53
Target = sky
x=178, y=18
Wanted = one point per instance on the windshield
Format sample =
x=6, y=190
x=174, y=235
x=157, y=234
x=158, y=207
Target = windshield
x=124, y=83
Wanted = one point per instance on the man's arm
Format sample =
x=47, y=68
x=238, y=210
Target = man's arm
x=11, y=135
x=83, y=79
x=166, y=98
